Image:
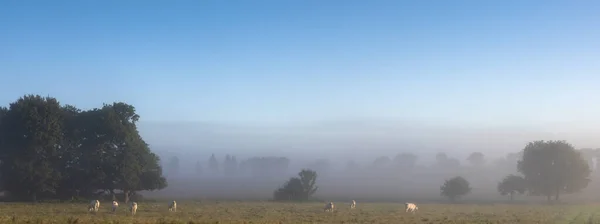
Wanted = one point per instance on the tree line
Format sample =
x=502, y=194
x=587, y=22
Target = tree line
x=53, y=151
x=547, y=168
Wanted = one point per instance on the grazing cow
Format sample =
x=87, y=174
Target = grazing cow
x=133, y=208
x=94, y=206
x=411, y=207
x=353, y=204
x=115, y=206
x=329, y=207
x=173, y=206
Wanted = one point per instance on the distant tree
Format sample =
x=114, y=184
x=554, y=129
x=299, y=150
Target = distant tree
x=441, y=157
x=226, y=163
x=553, y=167
x=298, y=188
x=234, y=165
x=230, y=165
x=407, y=160
x=382, y=161
x=445, y=162
x=511, y=185
x=213, y=164
x=590, y=156
x=455, y=188
x=476, y=159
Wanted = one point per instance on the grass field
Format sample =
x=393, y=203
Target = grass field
x=269, y=212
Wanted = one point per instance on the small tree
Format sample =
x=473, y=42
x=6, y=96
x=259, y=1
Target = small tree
x=511, y=185
x=455, y=188
x=298, y=189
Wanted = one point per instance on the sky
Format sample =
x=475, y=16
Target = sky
x=457, y=63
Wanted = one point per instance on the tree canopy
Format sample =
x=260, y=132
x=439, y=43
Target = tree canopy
x=553, y=167
x=455, y=188
x=476, y=159
x=511, y=185
x=299, y=188
x=53, y=151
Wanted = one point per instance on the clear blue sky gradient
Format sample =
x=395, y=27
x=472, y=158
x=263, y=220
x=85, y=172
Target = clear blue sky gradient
x=285, y=61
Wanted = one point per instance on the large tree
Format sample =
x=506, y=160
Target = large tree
x=553, y=167
x=32, y=130
x=50, y=150
x=137, y=168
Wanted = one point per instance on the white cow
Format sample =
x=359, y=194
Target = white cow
x=115, y=205
x=94, y=206
x=329, y=207
x=173, y=206
x=133, y=208
x=353, y=204
x=411, y=207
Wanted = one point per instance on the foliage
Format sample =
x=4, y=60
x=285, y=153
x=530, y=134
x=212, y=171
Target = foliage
x=455, y=188
x=213, y=164
x=511, y=185
x=230, y=165
x=476, y=159
x=553, y=167
x=445, y=162
x=33, y=133
x=298, y=188
x=53, y=151
x=381, y=162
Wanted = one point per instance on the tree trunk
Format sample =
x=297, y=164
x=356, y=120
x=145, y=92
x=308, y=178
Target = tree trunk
x=511, y=196
x=549, y=197
x=112, y=193
x=126, y=193
x=34, y=197
x=556, y=194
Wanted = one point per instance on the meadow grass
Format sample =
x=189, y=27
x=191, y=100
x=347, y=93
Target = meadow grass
x=271, y=212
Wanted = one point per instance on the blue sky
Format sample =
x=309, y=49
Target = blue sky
x=284, y=62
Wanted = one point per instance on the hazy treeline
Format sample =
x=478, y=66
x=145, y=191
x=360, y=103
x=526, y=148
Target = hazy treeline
x=386, y=178
x=49, y=150
x=54, y=151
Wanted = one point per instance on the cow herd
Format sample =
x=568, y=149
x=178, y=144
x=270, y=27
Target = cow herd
x=133, y=206
x=409, y=207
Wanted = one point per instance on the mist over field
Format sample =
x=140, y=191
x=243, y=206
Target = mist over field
x=354, y=160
